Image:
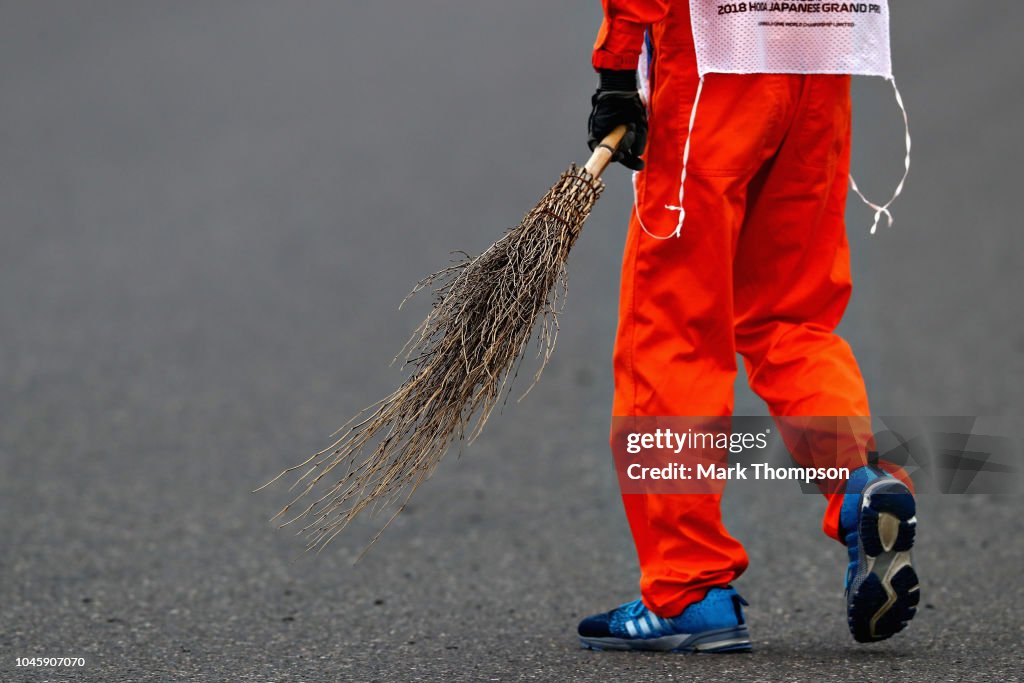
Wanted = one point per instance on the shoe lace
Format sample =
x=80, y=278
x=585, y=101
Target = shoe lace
x=634, y=609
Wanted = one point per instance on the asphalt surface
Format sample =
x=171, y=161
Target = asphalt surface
x=209, y=212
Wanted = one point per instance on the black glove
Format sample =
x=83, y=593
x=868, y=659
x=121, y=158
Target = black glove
x=617, y=102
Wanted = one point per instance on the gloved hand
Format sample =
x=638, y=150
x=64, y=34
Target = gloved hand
x=617, y=102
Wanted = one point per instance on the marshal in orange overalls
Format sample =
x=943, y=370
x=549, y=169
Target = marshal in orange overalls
x=761, y=268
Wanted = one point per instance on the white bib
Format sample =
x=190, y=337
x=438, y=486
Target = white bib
x=768, y=36
x=791, y=37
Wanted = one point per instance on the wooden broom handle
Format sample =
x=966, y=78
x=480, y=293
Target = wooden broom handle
x=604, y=151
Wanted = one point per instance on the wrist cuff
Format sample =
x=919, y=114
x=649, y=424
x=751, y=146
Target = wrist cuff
x=612, y=79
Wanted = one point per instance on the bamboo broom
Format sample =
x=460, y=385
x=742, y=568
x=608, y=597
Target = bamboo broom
x=486, y=309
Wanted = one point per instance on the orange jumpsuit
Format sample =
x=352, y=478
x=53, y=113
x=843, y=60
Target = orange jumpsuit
x=761, y=268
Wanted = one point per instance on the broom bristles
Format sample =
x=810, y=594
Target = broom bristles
x=486, y=309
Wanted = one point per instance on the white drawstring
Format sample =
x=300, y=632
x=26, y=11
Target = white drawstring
x=884, y=208
x=880, y=210
x=682, y=177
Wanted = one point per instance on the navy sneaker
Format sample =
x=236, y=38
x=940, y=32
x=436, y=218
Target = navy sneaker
x=877, y=521
x=715, y=624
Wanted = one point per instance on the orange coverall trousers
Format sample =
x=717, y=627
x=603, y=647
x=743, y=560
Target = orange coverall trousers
x=761, y=268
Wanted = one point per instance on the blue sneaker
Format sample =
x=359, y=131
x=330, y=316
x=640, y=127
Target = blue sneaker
x=715, y=624
x=877, y=521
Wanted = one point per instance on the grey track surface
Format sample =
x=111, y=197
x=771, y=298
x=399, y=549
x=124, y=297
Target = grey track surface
x=208, y=214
